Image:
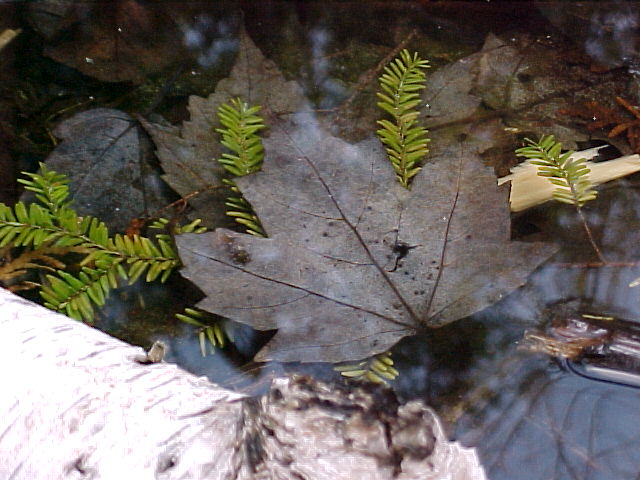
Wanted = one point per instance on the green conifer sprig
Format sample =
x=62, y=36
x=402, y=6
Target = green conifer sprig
x=76, y=296
x=33, y=226
x=164, y=224
x=240, y=136
x=246, y=153
x=376, y=369
x=211, y=329
x=405, y=140
x=50, y=188
x=571, y=176
x=242, y=211
x=52, y=227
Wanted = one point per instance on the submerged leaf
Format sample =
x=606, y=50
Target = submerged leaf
x=354, y=262
x=101, y=155
x=188, y=153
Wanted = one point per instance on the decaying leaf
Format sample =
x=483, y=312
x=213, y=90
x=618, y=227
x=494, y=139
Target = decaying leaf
x=448, y=95
x=188, y=154
x=528, y=82
x=120, y=41
x=354, y=262
x=532, y=82
x=100, y=153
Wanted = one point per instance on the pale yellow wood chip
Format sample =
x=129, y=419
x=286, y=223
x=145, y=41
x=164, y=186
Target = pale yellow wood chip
x=528, y=189
x=6, y=36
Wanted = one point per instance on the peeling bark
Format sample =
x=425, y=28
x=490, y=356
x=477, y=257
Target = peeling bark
x=76, y=405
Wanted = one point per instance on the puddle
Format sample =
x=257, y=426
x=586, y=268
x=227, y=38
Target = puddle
x=520, y=69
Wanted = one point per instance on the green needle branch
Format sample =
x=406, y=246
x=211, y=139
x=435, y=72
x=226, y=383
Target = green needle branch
x=406, y=142
x=569, y=175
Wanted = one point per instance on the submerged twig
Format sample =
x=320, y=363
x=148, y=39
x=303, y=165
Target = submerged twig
x=592, y=241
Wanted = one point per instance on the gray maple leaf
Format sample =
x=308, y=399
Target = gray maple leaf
x=354, y=262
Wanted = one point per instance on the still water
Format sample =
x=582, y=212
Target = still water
x=502, y=70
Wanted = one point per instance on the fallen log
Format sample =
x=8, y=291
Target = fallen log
x=77, y=404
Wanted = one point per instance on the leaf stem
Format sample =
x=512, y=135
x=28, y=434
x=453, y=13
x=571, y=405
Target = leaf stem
x=594, y=245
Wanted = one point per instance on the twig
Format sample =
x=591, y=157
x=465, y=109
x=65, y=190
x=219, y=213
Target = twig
x=627, y=264
x=632, y=109
x=590, y=235
x=182, y=202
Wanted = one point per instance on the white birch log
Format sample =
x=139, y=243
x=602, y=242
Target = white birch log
x=75, y=405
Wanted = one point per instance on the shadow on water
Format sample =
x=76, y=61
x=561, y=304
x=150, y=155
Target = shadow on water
x=527, y=415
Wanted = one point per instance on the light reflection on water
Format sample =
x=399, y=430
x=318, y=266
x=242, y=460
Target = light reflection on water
x=529, y=418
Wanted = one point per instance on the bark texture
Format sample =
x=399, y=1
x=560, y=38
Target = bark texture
x=76, y=405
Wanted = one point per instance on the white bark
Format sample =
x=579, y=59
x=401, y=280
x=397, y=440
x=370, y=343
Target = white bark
x=74, y=405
